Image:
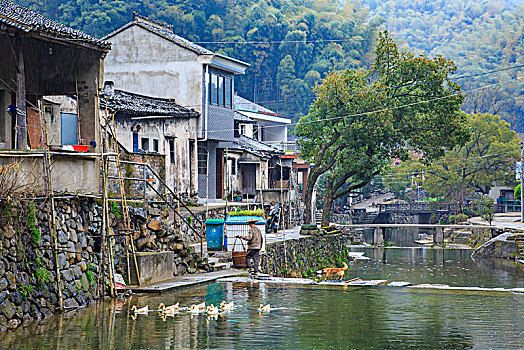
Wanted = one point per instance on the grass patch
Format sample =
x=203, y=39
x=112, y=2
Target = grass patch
x=31, y=224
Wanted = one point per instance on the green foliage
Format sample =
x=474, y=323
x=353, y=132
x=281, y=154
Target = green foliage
x=90, y=275
x=115, y=209
x=479, y=36
x=467, y=169
x=457, y=219
x=257, y=212
x=31, y=224
x=485, y=208
x=362, y=118
x=42, y=275
x=516, y=193
x=26, y=291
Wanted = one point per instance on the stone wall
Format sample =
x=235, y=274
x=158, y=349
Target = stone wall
x=28, y=280
x=28, y=287
x=302, y=257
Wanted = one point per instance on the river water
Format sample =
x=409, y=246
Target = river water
x=314, y=317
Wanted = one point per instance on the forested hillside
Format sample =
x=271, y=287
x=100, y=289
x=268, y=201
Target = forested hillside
x=290, y=44
x=480, y=36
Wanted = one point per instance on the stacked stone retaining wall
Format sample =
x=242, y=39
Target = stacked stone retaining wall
x=302, y=257
x=28, y=287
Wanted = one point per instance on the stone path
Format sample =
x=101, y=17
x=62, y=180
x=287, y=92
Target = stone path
x=502, y=220
x=186, y=281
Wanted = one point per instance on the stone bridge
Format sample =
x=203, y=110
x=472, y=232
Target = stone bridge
x=438, y=235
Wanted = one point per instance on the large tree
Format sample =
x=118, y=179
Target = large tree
x=485, y=160
x=362, y=118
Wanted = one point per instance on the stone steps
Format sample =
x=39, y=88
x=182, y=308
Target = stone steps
x=519, y=240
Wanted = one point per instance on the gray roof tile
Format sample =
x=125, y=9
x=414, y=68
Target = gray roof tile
x=139, y=105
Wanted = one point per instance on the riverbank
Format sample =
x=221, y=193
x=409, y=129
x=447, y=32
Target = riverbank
x=312, y=316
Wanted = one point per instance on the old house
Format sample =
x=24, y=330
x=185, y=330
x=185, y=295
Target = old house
x=266, y=130
x=148, y=58
x=149, y=125
x=45, y=58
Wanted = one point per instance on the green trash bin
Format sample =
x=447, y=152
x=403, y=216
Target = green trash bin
x=215, y=234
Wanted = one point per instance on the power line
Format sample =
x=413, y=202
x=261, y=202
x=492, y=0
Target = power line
x=397, y=176
x=283, y=41
x=382, y=89
x=386, y=109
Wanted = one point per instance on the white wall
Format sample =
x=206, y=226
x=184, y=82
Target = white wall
x=181, y=130
x=144, y=63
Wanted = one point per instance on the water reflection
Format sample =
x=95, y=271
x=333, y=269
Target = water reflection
x=311, y=316
x=448, y=266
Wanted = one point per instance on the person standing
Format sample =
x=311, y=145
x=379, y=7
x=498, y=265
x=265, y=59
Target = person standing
x=254, y=244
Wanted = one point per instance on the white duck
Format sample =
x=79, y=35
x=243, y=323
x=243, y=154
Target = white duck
x=226, y=306
x=195, y=309
x=142, y=311
x=212, y=310
x=263, y=308
x=168, y=309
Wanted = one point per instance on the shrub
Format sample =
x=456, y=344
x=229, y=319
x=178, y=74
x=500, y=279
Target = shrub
x=257, y=212
x=31, y=224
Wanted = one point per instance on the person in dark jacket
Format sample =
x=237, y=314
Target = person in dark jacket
x=254, y=244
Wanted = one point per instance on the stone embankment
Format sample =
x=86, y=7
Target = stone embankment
x=28, y=280
x=28, y=273
x=502, y=246
x=302, y=257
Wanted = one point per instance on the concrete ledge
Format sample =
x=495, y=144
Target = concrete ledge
x=153, y=267
x=187, y=281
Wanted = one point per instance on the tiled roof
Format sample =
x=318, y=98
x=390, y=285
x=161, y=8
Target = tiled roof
x=29, y=21
x=256, y=147
x=247, y=144
x=139, y=105
x=163, y=31
x=239, y=117
x=242, y=103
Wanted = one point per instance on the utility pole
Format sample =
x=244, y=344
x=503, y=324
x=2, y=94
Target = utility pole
x=521, y=184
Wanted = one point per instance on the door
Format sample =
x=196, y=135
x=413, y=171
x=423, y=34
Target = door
x=248, y=172
x=135, y=141
x=69, y=133
x=220, y=173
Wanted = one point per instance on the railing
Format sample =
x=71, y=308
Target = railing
x=420, y=206
x=147, y=182
x=285, y=146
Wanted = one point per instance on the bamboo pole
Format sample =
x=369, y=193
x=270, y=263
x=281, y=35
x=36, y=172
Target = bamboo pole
x=49, y=189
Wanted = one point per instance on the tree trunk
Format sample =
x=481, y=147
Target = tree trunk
x=308, y=196
x=328, y=202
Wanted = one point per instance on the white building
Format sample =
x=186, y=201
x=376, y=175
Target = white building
x=148, y=59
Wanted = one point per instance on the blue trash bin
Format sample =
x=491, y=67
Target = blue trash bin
x=215, y=234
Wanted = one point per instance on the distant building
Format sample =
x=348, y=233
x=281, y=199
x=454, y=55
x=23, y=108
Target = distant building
x=149, y=59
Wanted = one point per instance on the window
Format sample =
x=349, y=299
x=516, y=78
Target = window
x=155, y=145
x=220, y=90
x=172, y=151
x=227, y=92
x=233, y=166
x=243, y=129
x=214, y=89
x=145, y=143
